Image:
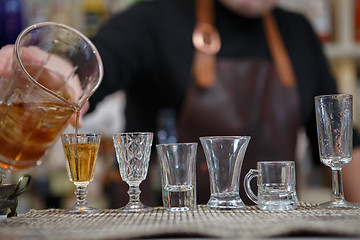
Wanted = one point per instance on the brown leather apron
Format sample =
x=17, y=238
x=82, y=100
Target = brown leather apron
x=246, y=98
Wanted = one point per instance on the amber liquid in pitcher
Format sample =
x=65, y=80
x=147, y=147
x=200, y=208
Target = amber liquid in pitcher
x=28, y=129
x=22, y=145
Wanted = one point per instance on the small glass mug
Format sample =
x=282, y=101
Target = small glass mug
x=276, y=185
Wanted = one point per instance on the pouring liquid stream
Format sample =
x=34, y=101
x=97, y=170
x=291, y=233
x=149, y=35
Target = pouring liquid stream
x=77, y=121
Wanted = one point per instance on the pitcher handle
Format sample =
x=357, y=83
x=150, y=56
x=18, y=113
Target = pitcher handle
x=250, y=175
x=19, y=191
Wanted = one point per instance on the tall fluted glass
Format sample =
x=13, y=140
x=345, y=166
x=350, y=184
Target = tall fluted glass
x=334, y=119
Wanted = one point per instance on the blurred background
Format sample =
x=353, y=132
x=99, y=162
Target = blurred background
x=337, y=23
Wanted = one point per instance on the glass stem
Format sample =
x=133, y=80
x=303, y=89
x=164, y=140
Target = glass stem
x=134, y=193
x=81, y=193
x=337, y=185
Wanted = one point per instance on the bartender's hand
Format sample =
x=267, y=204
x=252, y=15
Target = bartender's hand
x=35, y=56
x=351, y=178
x=6, y=53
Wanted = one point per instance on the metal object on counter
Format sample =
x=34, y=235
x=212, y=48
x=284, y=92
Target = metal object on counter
x=2, y=175
x=10, y=192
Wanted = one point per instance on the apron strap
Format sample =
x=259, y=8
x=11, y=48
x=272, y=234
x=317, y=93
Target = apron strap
x=207, y=43
x=278, y=52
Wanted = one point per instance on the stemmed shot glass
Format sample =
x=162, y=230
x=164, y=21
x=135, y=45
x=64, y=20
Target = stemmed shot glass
x=81, y=153
x=334, y=119
x=133, y=155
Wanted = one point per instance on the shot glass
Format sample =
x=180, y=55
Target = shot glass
x=178, y=175
x=276, y=185
x=224, y=157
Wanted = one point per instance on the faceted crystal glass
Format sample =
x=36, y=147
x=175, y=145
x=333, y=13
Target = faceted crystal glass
x=133, y=155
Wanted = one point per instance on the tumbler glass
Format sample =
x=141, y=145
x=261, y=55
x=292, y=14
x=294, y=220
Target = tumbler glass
x=178, y=175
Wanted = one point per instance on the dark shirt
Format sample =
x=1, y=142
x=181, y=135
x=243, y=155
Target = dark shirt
x=147, y=51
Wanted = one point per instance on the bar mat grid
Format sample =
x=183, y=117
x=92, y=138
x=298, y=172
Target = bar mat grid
x=248, y=223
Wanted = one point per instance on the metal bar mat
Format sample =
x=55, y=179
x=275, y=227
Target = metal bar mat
x=248, y=223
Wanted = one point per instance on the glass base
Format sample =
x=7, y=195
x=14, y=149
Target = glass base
x=179, y=209
x=225, y=203
x=340, y=204
x=83, y=209
x=135, y=207
x=278, y=206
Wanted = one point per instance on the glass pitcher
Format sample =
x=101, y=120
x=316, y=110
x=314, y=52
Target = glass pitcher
x=55, y=69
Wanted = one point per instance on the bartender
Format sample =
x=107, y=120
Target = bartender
x=255, y=71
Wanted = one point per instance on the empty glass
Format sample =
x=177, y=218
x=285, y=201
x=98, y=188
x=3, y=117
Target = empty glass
x=276, y=185
x=81, y=152
x=178, y=175
x=224, y=157
x=133, y=155
x=334, y=119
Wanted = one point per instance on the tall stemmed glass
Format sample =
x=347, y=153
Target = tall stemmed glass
x=81, y=152
x=133, y=155
x=334, y=117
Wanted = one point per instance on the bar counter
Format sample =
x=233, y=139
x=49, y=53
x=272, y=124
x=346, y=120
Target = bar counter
x=306, y=220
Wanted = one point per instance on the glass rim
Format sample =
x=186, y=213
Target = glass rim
x=177, y=144
x=276, y=162
x=82, y=36
x=80, y=135
x=224, y=137
x=132, y=133
x=334, y=95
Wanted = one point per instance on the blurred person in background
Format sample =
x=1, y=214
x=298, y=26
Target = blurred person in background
x=226, y=67
x=261, y=81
